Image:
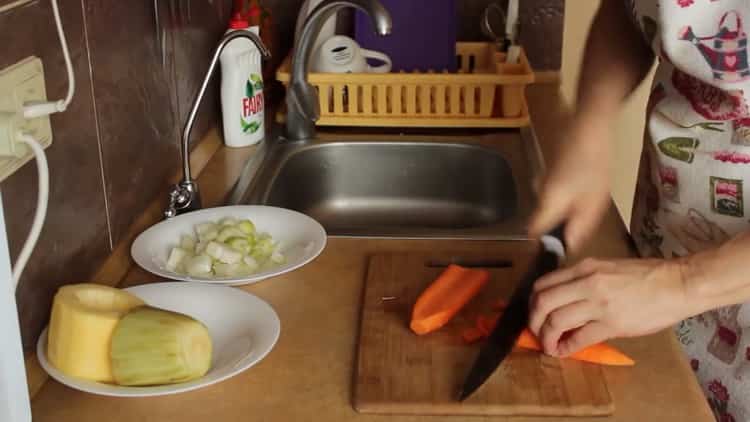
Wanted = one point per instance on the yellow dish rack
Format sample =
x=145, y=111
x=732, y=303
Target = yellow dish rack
x=485, y=92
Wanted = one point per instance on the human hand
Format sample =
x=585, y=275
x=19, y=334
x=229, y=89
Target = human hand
x=576, y=189
x=596, y=300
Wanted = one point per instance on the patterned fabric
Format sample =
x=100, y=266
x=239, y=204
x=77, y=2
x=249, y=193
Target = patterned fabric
x=695, y=170
x=725, y=51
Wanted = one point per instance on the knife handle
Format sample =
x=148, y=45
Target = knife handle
x=554, y=241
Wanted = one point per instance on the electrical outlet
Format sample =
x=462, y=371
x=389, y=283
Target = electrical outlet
x=22, y=83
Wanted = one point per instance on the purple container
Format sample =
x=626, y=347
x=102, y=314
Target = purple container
x=423, y=36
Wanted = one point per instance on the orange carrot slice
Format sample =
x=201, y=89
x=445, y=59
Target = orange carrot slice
x=442, y=300
x=527, y=340
x=601, y=353
x=485, y=324
x=604, y=354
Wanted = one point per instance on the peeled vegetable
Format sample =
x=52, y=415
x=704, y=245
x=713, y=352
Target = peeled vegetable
x=228, y=221
x=246, y=226
x=445, y=296
x=600, y=353
x=84, y=316
x=228, y=248
x=229, y=231
x=187, y=242
x=198, y=266
x=223, y=253
x=176, y=258
x=240, y=244
x=153, y=346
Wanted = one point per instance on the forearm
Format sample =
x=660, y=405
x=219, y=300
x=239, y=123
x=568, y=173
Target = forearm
x=616, y=60
x=718, y=277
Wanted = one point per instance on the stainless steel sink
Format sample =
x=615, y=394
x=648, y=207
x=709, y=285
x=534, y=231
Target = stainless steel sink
x=399, y=186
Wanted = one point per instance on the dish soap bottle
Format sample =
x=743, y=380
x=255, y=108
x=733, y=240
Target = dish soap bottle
x=242, y=100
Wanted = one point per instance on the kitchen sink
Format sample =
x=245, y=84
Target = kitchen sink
x=400, y=186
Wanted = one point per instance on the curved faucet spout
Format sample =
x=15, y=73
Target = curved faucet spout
x=303, y=109
x=241, y=33
x=184, y=196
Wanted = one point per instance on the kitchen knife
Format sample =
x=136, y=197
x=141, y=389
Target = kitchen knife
x=515, y=318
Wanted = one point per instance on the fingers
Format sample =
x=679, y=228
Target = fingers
x=554, y=206
x=582, y=269
x=560, y=288
x=546, y=302
x=592, y=333
x=565, y=319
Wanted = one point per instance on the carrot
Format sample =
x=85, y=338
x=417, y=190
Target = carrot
x=472, y=335
x=442, y=300
x=600, y=353
x=527, y=340
x=485, y=324
x=605, y=354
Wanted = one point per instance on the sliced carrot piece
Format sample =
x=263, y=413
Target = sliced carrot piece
x=601, y=353
x=442, y=300
x=604, y=354
x=472, y=335
x=527, y=340
x=485, y=324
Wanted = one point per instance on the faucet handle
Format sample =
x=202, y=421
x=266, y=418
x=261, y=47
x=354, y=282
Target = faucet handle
x=183, y=197
x=175, y=197
x=304, y=97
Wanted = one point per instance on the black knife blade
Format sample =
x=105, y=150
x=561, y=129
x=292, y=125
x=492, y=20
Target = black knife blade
x=515, y=318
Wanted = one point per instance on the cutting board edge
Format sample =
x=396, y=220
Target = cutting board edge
x=383, y=408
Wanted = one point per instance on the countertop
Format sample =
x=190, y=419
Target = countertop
x=308, y=375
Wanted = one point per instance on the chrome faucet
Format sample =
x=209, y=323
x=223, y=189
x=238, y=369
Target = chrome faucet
x=185, y=196
x=303, y=109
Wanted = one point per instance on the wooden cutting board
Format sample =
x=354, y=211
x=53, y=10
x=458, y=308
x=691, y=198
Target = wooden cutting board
x=399, y=372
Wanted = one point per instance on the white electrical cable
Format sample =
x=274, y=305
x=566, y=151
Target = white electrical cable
x=66, y=55
x=41, y=207
x=33, y=110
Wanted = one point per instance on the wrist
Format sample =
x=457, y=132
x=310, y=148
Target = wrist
x=588, y=140
x=595, y=113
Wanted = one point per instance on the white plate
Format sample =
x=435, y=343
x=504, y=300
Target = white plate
x=301, y=239
x=243, y=331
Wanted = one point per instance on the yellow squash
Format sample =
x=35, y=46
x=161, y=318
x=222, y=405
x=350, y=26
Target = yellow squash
x=84, y=316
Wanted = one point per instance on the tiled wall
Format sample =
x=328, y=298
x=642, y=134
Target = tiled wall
x=138, y=64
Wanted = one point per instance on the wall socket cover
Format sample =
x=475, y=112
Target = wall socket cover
x=21, y=83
